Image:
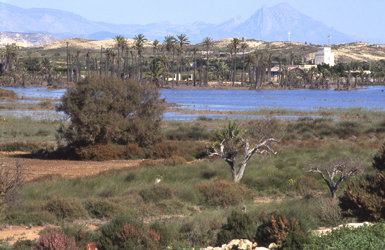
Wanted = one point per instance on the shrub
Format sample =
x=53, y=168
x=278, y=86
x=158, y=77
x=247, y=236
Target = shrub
x=133, y=151
x=164, y=150
x=99, y=152
x=239, y=226
x=222, y=193
x=365, y=198
x=7, y=94
x=127, y=233
x=109, y=110
x=64, y=208
x=306, y=185
x=23, y=244
x=55, y=240
x=365, y=237
x=27, y=218
x=156, y=193
x=100, y=208
x=184, y=132
x=347, y=128
x=276, y=228
x=174, y=160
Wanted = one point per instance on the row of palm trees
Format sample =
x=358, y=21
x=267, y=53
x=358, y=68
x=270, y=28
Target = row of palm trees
x=164, y=64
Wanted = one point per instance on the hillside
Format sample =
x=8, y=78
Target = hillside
x=343, y=52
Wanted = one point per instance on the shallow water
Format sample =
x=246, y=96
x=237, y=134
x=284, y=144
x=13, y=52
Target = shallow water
x=372, y=97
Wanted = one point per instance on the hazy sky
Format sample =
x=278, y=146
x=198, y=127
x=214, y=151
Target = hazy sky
x=360, y=18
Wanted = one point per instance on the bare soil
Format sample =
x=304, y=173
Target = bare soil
x=39, y=169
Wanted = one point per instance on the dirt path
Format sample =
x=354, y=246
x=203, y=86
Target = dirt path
x=37, y=168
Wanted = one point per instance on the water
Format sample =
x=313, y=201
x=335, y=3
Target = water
x=372, y=97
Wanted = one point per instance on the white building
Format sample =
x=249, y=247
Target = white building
x=324, y=56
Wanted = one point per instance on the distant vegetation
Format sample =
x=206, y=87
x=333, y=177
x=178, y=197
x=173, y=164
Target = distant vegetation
x=160, y=62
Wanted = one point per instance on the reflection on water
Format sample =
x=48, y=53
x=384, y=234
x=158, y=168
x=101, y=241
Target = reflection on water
x=372, y=97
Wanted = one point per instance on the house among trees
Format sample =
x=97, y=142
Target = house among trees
x=324, y=56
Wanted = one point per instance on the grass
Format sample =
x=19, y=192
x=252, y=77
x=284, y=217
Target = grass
x=193, y=199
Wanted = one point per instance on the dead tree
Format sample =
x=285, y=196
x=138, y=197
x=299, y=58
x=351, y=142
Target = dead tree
x=229, y=143
x=10, y=179
x=337, y=171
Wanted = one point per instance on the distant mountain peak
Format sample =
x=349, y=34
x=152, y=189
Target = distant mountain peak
x=268, y=24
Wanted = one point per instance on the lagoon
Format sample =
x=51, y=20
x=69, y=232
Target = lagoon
x=371, y=97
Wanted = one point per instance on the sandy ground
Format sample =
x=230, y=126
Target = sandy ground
x=37, y=168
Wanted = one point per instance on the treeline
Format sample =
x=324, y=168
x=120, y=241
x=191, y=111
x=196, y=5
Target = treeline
x=176, y=62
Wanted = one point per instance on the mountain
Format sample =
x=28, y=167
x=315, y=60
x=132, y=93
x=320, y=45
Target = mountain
x=268, y=24
x=25, y=39
x=274, y=23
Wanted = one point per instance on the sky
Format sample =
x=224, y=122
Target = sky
x=358, y=18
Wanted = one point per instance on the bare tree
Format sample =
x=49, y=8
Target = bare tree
x=10, y=180
x=229, y=142
x=335, y=172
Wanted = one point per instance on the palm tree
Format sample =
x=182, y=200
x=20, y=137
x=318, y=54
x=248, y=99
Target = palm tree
x=120, y=44
x=221, y=69
x=156, y=71
x=250, y=62
x=207, y=44
x=109, y=52
x=155, y=45
x=244, y=46
x=195, y=50
x=235, y=44
x=182, y=40
x=169, y=45
x=139, y=46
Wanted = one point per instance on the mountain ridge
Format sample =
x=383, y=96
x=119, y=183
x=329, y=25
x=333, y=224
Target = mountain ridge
x=267, y=23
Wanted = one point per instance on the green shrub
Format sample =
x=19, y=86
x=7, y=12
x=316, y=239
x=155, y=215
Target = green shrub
x=23, y=245
x=365, y=198
x=65, y=208
x=365, y=237
x=100, y=208
x=276, y=227
x=222, y=193
x=347, y=128
x=109, y=110
x=185, y=132
x=127, y=233
x=157, y=193
x=239, y=226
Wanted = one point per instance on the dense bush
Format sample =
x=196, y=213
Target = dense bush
x=156, y=193
x=276, y=227
x=366, y=237
x=365, y=198
x=100, y=208
x=239, y=226
x=55, y=240
x=128, y=233
x=222, y=193
x=64, y=208
x=7, y=94
x=109, y=110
